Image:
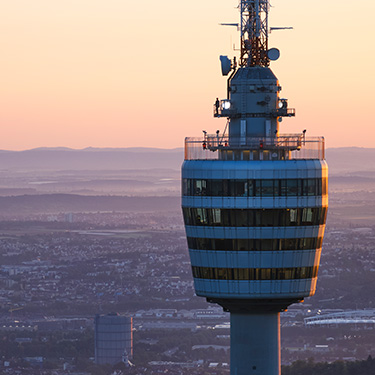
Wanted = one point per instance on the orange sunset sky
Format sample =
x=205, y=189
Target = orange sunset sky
x=121, y=73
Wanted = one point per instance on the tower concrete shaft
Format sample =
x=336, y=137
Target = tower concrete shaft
x=255, y=343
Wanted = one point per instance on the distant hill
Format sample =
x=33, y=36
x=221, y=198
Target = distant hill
x=91, y=159
x=341, y=160
x=52, y=180
x=54, y=203
x=351, y=160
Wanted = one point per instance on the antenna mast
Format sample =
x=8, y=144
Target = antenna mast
x=254, y=33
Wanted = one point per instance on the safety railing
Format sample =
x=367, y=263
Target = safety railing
x=287, y=146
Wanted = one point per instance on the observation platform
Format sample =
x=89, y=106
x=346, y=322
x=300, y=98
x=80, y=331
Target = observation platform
x=283, y=147
x=225, y=108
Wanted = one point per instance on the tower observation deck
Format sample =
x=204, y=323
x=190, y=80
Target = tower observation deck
x=254, y=203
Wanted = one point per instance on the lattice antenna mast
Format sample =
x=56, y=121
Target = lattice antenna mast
x=254, y=33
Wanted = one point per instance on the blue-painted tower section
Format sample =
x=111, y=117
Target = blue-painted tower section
x=254, y=204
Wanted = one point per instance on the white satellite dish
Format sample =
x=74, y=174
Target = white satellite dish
x=226, y=65
x=273, y=54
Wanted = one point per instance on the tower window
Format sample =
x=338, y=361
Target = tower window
x=251, y=244
x=282, y=217
x=255, y=187
x=260, y=274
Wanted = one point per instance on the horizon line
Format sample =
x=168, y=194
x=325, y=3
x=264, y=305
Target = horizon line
x=133, y=148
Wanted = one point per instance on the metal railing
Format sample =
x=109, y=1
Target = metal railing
x=283, y=147
x=222, y=110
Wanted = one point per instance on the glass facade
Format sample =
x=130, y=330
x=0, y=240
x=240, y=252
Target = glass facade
x=250, y=244
x=254, y=188
x=284, y=215
x=255, y=273
x=254, y=217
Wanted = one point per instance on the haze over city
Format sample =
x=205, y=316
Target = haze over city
x=123, y=74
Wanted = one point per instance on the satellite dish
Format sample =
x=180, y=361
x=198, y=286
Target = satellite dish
x=273, y=54
x=226, y=65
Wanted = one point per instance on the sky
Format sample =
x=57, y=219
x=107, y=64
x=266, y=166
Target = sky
x=121, y=73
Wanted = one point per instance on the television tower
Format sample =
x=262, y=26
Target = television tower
x=254, y=203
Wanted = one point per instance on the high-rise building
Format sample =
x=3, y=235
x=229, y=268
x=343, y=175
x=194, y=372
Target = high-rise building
x=113, y=339
x=254, y=203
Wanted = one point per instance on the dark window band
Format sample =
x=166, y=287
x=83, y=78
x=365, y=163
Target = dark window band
x=255, y=273
x=255, y=188
x=283, y=217
x=250, y=244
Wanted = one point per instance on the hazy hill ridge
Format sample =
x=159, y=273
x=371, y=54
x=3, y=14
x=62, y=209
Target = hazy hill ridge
x=91, y=159
x=341, y=160
x=140, y=179
x=72, y=203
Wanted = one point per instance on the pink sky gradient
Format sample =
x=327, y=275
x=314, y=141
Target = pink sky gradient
x=120, y=73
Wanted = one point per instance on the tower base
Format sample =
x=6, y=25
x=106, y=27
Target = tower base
x=255, y=343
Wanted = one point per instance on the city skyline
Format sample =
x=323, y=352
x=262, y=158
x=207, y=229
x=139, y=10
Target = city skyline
x=120, y=74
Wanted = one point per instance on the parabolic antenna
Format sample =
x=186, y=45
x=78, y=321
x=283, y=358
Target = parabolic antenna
x=225, y=65
x=273, y=54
